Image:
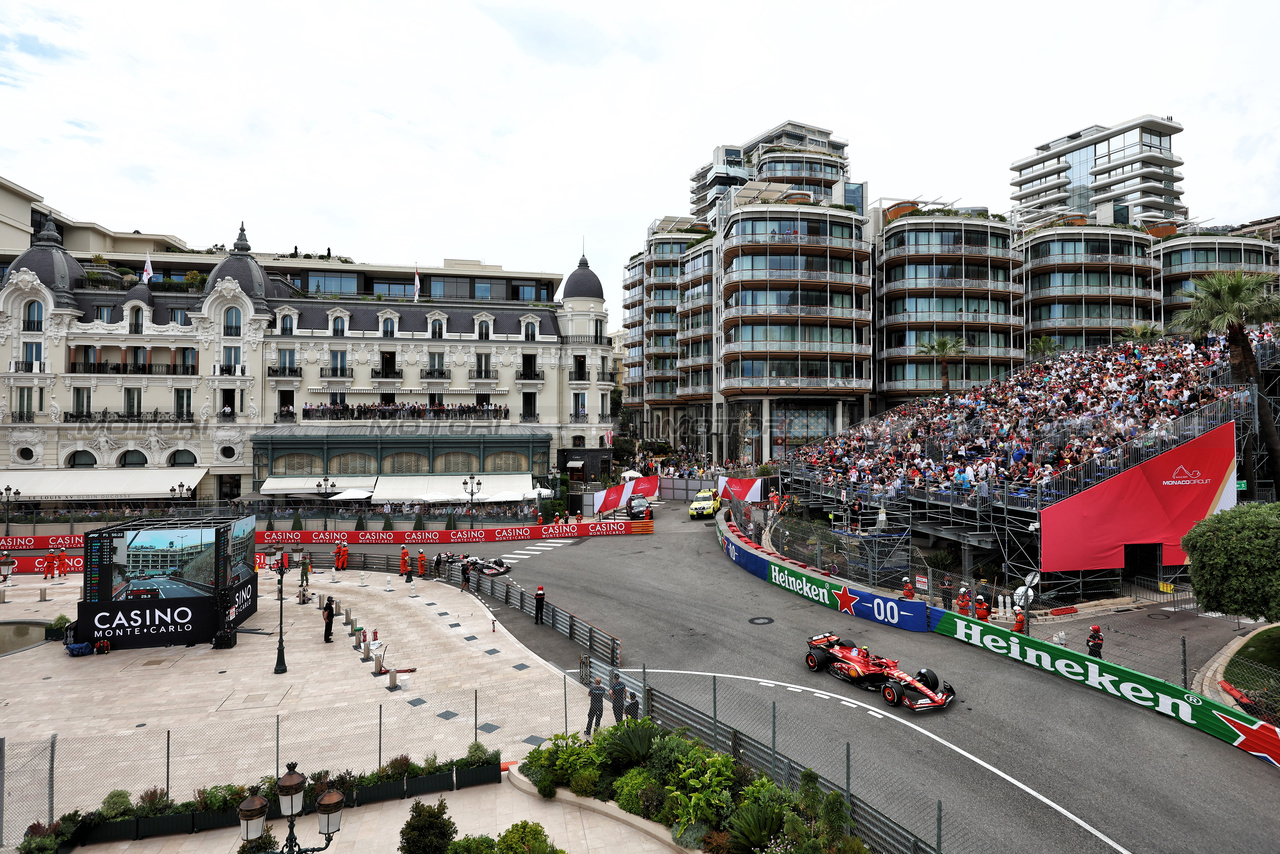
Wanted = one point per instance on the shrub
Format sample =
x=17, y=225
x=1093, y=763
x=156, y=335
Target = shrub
x=628, y=743
x=419, y=525
x=216, y=798
x=690, y=836
x=520, y=837
x=583, y=783
x=428, y=830
x=60, y=622
x=297, y=521
x=264, y=844
x=397, y=767
x=387, y=524
x=628, y=787
x=117, y=804
x=478, y=756
x=653, y=800
x=154, y=801
x=360, y=525
x=716, y=842
x=665, y=756
x=474, y=845
x=571, y=757
x=604, y=786
x=700, y=791
x=752, y=826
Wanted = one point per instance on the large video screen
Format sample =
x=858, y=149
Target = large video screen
x=240, y=558
x=168, y=563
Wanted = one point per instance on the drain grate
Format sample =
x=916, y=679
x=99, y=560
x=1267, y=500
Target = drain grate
x=760, y=621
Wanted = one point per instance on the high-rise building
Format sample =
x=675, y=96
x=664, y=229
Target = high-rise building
x=1125, y=174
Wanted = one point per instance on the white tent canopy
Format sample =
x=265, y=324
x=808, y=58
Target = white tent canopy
x=117, y=484
x=504, y=496
x=631, y=474
x=292, y=485
x=351, y=495
x=409, y=487
x=539, y=492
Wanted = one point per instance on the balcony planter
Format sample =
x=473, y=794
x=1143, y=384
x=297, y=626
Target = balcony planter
x=387, y=791
x=112, y=831
x=442, y=782
x=164, y=825
x=212, y=820
x=481, y=776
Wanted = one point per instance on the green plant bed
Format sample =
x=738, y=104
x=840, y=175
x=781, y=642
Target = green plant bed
x=390, y=790
x=1263, y=648
x=112, y=831
x=214, y=820
x=163, y=825
x=481, y=776
x=442, y=782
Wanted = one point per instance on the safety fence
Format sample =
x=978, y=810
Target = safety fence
x=891, y=811
x=597, y=641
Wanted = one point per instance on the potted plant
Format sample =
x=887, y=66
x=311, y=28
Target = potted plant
x=479, y=767
x=113, y=821
x=430, y=776
x=158, y=815
x=57, y=630
x=216, y=807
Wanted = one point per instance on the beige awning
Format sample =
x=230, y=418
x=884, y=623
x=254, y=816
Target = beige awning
x=409, y=487
x=307, y=485
x=119, y=484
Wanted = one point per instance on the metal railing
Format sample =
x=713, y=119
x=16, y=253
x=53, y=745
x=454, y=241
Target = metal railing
x=530, y=376
x=284, y=371
x=482, y=374
x=337, y=373
x=386, y=374
x=433, y=373
x=106, y=416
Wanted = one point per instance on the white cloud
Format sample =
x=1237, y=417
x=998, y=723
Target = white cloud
x=410, y=132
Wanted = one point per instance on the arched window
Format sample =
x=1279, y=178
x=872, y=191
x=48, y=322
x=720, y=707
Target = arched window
x=286, y=325
x=33, y=319
x=132, y=460
x=231, y=322
x=388, y=328
x=182, y=460
x=296, y=464
x=135, y=321
x=82, y=460
x=482, y=331
x=437, y=329
x=531, y=331
x=339, y=327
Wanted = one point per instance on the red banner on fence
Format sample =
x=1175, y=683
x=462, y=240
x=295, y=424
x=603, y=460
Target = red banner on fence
x=464, y=535
x=61, y=541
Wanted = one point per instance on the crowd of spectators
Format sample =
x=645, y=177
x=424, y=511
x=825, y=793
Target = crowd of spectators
x=1022, y=430
x=682, y=463
x=404, y=410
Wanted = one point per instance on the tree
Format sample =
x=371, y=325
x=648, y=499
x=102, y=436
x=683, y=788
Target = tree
x=1042, y=348
x=1235, y=561
x=429, y=830
x=1142, y=333
x=1227, y=304
x=943, y=350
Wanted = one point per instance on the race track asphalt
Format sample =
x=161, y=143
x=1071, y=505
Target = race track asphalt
x=1022, y=761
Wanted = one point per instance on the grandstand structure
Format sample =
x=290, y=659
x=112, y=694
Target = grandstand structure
x=1003, y=524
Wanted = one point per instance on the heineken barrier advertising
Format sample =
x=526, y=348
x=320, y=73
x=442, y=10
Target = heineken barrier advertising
x=911, y=616
x=1231, y=725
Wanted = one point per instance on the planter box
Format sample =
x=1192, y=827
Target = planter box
x=112, y=831
x=163, y=825
x=52, y=634
x=481, y=776
x=380, y=792
x=442, y=782
x=212, y=820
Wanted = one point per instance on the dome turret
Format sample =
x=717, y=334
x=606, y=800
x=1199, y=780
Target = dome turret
x=244, y=269
x=54, y=266
x=583, y=284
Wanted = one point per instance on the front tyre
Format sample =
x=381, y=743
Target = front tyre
x=927, y=678
x=892, y=693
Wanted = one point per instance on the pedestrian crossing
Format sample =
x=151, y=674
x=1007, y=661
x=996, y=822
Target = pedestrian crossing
x=533, y=551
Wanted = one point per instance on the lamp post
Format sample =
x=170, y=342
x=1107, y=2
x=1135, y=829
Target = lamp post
x=326, y=488
x=181, y=492
x=278, y=567
x=291, y=788
x=9, y=494
x=471, y=487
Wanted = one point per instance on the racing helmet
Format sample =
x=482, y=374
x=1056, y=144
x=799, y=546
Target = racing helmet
x=865, y=651
x=906, y=578
x=1095, y=628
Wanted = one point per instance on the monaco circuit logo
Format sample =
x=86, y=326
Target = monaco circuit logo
x=1183, y=477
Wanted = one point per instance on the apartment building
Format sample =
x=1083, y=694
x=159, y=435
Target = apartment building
x=234, y=371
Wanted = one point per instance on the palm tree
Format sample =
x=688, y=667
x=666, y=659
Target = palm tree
x=1227, y=304
x=943, y=350
x=1042, y=348
x=1142, y=333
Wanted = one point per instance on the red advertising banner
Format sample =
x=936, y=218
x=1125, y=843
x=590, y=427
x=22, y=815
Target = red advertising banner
x=465, y=535
x=37, y=562
x=1155, y=502
x=62, y=541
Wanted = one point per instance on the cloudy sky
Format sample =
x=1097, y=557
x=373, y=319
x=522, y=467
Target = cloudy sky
x=511, y=132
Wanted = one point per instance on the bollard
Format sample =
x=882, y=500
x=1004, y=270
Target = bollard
x=368, y=655
x=363, y=581
x=334, y=580
x=346, y=619
x=413, y=588
x=44, y=594
x=388, y=582
x=3, y=600
x=377, y=665
x=392, y=681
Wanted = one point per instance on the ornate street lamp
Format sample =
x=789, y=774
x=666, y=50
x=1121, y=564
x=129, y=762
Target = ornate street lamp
x=9, y=494
x=471, y=487
x=278, y=567
x=291, y=788
x=326, y=488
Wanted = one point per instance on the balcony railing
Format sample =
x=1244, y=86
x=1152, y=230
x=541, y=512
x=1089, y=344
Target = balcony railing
x=106, y=416
x=607, y=377
x=530, y=376
x=433, y=374
x=286, y=417
x=796, y=311
x=528, y=418
x=796, y=240
x=579, y=376
x=951, y=283
x=228, y=331
x=33, y=326
x=952, y=249
x=26, y=367
x=591, y=340
x=132, y=368
x=1117, y=323
x=22, y=417
x=386, y=373
x=952, y=317
x=336, y=373
x=853, y=383
x=753, y=275
x=970, y=352
x=607, y=417
x=398, y=412
x=284, y=371
x=231, y=370
x=482, y=374
x=1143, y=261
x=579, y=418
x=136, y=329
x=838, y=348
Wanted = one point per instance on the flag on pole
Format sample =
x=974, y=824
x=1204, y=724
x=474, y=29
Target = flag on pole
x=417, y=284
x=608, y=438
x=146, y=271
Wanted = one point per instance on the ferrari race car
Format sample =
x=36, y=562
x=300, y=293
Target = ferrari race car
x=873, y=673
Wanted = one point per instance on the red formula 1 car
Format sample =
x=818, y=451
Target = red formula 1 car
x=873, y=673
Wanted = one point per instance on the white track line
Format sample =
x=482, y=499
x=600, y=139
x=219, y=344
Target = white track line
x=1061, y=810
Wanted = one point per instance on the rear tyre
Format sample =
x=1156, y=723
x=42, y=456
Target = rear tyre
x=812, y=661
x=927, y=678
x=892, y=693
